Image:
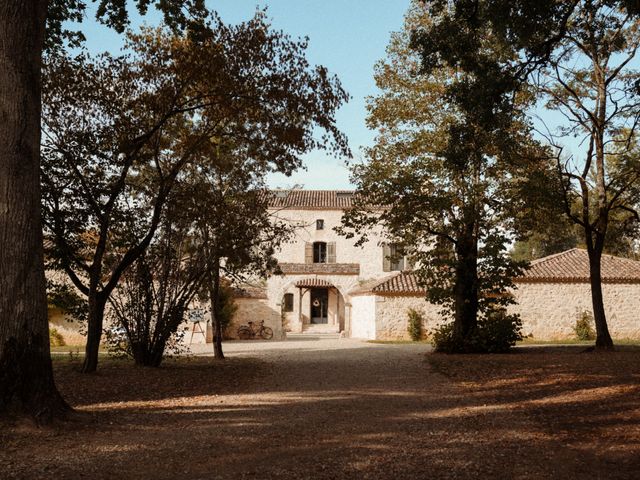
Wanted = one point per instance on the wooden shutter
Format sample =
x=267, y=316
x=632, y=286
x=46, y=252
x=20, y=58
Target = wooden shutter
x=386, y=261
x=308, y=252
x=331, y=252
x=408, y=263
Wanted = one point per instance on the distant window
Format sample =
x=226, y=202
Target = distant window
x=396, y=256
x=393, y=259
x=282, y=193
x=319, y=252
x=319, y=224
x=288, y=302
x=344, y=194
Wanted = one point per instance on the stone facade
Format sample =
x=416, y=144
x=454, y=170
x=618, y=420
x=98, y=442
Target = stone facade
x=549, y=310
x=352, y=266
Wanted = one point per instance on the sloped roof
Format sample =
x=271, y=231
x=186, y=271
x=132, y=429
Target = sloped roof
x=248, y=291
x=400, y=283
x=573, y=266
x=313, y=283
x=311, y=199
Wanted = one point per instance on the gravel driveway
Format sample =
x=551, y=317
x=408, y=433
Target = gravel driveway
x=314, y=408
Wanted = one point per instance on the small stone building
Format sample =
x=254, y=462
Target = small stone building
x=556, y=290
x=549, y=297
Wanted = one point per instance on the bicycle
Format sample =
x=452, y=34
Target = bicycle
x=246, y=332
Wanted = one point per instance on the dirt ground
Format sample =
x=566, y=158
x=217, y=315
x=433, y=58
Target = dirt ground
x=332, y=409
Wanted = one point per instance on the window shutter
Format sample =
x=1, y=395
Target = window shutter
x=386, y=261
x=331, y=252
x=408, y=263
x=308, y=252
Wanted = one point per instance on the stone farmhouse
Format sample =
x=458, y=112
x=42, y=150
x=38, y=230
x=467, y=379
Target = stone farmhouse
x=331, y=286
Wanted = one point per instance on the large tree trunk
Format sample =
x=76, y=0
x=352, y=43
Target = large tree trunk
x=603, y=338
x=466, y=286
x=26, y=376
x=214, y=295
x=97, y=303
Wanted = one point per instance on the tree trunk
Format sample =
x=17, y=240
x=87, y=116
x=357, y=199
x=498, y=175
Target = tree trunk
x=466, y=286
x=214, y=292
x=26, y=375
x=603, y=338
x=97, y=302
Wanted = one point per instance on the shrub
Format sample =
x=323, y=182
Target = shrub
x=414, y=326
x=55, y=338
x=496, y=332
x=584, y=326
x=228, y=308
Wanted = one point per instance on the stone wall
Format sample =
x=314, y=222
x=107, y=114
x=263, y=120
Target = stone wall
x=69, y=329
x=392, y=316
x=249, y=309
x=549, y=310
x=254, y=310
x=369, y=256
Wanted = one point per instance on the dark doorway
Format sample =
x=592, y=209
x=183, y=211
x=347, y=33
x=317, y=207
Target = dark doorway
x=319, y=305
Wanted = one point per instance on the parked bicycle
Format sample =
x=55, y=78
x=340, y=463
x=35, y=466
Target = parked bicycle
x=249, y=331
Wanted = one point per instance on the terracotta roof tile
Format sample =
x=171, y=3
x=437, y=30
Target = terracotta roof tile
x=313, y=283
x=311, y=199
x=401, y=283
x=573, y=266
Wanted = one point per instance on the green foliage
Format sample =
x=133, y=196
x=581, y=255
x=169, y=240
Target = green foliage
x=446, y=164
x=584, y=327
x=177, y=14
x=55, y=338
x=414, y=326
x=496, y=332
x=67, y=299
x=228, y=306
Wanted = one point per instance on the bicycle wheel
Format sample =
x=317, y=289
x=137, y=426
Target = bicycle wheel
x=266, y=333
x=244, y=333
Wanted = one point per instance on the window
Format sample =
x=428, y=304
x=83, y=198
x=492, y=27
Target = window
x=397, y=258
x=320, y=224
x=319, y=252
x=392, y=258
x=288, y=302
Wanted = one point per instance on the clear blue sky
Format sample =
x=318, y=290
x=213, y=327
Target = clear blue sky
x=346, y=36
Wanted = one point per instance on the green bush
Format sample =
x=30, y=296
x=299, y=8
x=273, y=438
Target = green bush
x=497, y=332
x=584, y=326
x=55, y=338
x=414, y=326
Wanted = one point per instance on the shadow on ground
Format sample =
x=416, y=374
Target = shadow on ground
x=374, y=412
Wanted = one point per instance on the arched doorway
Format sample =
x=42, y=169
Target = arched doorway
x=315, y=305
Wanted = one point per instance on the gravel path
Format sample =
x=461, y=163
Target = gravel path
x=307, y=408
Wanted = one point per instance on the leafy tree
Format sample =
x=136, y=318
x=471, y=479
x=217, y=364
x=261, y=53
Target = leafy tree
x=120, y=135
x=149, y=304
x=443, y=172
x=579, y=52
x=26, y=376
x=238, y=234
x=589, y=79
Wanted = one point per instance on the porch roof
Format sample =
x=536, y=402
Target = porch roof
x=314, y=283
